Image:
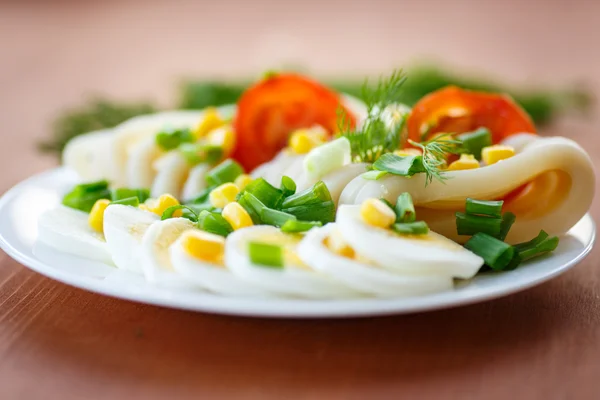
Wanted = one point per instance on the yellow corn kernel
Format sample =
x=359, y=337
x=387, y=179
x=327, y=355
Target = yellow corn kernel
x=466, y=161
x=408, y=152
x=210, y=121
x=492, y=154
x=223, y=137
x=203, y=245
x=222, y=195
x=237, y=216
x=303, y=140
x=336, y=243
x=242, y=181
x=376, y=213
x=96, y=218
x=158, y=206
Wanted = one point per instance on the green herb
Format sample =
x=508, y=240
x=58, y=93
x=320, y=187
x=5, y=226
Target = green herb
x=252, y=205
x=475, y=141
x=202, y=197
x=288, y=186
x=213, y=222
x=405, y=209
x=123, y=193
x=191, y=214
x=373, y=175
x=508, y=219
x=434, y=155
x=496, y=254
x=468, y=224
x=411, y=228
x=196, y=153
x=84, y=196
x=265, y=255
x=129, y=201
x=268, y=194
x=319, y=193
x=323, y=212
x=399, y=165
x=172, y=138
x=484, y=207
x=539, y=245
x=276, y=218
x=225, y=172
x=295, y=226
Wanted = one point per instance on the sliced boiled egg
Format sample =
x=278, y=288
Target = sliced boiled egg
x=429, y=254
x=361, y=274
x=293, y=279
x=172, y=170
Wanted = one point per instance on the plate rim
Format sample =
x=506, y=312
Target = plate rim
x=241, y=306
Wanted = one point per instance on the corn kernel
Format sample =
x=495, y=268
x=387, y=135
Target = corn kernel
x=158, y=206
x=376, y=213
x=222, y=195
x=237, y=216
x=466, y=161
x=203, y=245
x=211, y=121
x=408, y=152
x=223, y=137
x=493, y=154
x=336, y=243
x=303, y=140
x=242, y=181
x=96, y=218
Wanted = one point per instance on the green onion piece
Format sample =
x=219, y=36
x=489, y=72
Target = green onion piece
x=314, y=195
x=171, y=139
x=323, y=212
x=295, y=226
x=123, y=193
x=196, y=153
x=508, y=219
x=483, y=207
x=288, y=186
x=252, y=205
x=192, y=215
x=129, y=201
x=202, y=197
x=467, y=224
x=276, y=218
x=91, y=187
x=265, y=255
x=373, y=175
x=268, y=194
x=411, y=228
x=225, y=172
x=514, y=263
x=540, y=245
x=213, y=222
x=399, y=165
x=387, y=203
x=405, y=209
x=496, y=254
x=475, y=141
x=84, y=196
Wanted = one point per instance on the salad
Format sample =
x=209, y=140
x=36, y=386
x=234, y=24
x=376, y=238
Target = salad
x=299, y=191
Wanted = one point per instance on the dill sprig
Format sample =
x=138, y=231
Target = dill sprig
x=434, y=155
x=383, y=129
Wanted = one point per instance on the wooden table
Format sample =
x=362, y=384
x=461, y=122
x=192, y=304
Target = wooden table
x=64, y=343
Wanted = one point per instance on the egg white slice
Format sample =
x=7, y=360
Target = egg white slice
x=284, y=163
x=90, y=155
x=172, y=170
x=212, y=277
x=366, y=278
x=430, y=254
x=154, y=252
x=196, y=182
x=291, y=280
x=124, y=228
x=67, y=230
x=140, y=164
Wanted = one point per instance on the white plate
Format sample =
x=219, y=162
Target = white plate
x=21, y=206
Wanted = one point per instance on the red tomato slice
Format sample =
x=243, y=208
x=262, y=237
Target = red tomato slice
x=455, y=110
x=268, y=112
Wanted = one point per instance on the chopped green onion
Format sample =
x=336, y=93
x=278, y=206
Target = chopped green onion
x=288, y=186
x=540, y=245
x=268, y=194
x=84, y=196
x=225, y=172
x=327, y=157
x=213, y=222
x=411, y=228
x=91, y=187
x=323, y=212
x=191, y=214
x=171, y=139
x=373, y=175
x=202, y=197
x=295, y=226
x=484, y=207
x=399, y=165
x=475, y=141
x=196, y=153
x=252, y=205
x=314, y=195
x=265, y=255
x=274, y=217
x=123, y=193
x=508, y=219
x=387, y=203
x=129, y=201
x=496, y=254
x=467, y=224
x=405, y=209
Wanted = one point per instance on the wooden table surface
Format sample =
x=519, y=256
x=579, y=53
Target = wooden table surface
x=60, y=342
